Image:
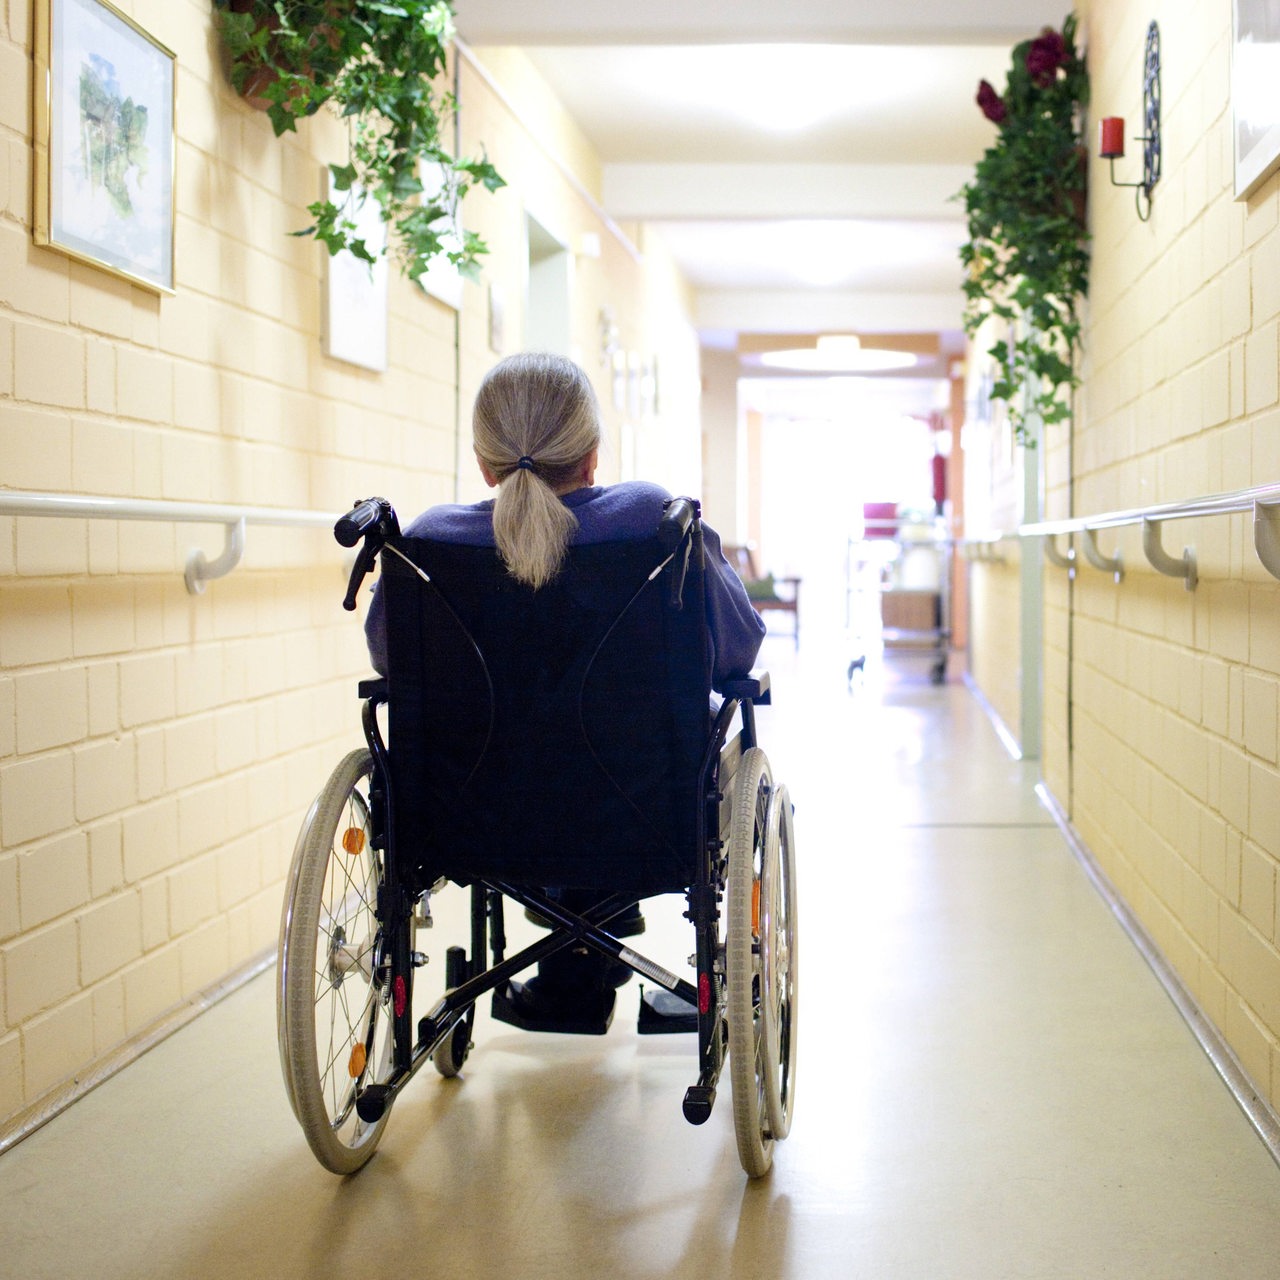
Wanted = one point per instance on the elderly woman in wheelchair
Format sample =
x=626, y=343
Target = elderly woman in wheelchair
x=547, y=661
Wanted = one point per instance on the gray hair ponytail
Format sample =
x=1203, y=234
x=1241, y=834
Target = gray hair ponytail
x=536, y=419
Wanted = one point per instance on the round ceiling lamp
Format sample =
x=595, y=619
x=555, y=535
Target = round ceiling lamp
x=837, y=353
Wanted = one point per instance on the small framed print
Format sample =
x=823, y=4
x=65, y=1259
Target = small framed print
x=1255, y=106
x=442, y=280
x=356, y=292
x=104, y=141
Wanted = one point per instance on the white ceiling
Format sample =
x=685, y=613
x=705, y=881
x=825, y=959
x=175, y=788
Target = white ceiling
x=799, y=159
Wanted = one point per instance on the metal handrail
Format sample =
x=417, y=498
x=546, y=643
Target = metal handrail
x=199, y=569
x=1262, y=501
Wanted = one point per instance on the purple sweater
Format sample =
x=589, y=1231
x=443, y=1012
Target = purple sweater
x=619, y=513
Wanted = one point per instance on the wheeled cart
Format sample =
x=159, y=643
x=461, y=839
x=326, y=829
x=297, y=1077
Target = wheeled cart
x=912, y=576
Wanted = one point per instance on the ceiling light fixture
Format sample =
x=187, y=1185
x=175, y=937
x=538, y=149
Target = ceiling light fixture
x=838, y=353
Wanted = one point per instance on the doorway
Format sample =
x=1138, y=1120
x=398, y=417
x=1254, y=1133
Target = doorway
x=548, y=318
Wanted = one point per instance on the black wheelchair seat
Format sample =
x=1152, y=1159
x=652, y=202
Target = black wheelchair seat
x=551, y=737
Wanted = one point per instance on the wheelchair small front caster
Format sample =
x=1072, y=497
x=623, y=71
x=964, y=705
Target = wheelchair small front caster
x=451, y=1053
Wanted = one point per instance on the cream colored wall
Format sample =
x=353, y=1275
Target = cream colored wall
x=722, y=484
x=992, y=501
x=157, y=750
x=1172, y=776
x=994, y=653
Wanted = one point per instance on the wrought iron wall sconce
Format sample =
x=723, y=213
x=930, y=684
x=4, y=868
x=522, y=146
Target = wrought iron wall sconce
x=1111, y=130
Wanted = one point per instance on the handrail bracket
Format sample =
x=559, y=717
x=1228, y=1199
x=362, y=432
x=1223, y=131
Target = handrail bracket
x=1161, y=561
x=1108, y=564
x=200, y=569
x=1062, y=559
x=1266, y=537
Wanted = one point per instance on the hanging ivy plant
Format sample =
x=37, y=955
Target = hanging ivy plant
x=1027, y=258
x=379, y=64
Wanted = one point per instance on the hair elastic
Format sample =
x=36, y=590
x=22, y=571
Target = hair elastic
x=525, y=464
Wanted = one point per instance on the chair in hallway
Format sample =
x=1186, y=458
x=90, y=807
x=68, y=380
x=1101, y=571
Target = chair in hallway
x=766, y=592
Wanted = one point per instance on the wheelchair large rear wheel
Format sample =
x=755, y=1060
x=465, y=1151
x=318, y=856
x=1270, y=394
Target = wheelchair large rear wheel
x=333, y=1011
x=779, y=961
x=760, y=963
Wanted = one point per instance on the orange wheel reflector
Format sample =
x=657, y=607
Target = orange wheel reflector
x=356, y=1064
x=353, y=840
x=755, y=907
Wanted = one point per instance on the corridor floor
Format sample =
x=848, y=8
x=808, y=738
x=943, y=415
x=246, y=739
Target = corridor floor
x=992, y=1084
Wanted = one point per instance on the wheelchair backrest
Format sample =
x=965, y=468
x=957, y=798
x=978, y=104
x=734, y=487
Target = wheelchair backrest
x=550, y=737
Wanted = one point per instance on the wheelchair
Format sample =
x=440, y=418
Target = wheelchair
x=536, y=742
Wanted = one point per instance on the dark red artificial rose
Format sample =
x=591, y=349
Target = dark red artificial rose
x=991, y=102
x=1048, y=52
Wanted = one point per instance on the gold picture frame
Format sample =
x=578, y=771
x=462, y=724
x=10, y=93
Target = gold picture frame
x=105, y=99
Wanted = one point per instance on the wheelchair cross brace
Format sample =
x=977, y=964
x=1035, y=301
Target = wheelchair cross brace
x=455, y=1005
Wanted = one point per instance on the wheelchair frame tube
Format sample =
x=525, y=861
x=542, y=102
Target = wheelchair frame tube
x=704, y=912
x=395, y=906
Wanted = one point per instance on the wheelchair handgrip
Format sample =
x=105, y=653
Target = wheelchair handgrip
x=363, y=516
x=677, y=515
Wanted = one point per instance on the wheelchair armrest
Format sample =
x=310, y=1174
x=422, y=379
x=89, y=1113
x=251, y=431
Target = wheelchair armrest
x=752, y=688
x=374, y=688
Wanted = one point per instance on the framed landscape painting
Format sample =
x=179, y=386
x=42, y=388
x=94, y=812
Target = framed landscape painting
x=104, y=141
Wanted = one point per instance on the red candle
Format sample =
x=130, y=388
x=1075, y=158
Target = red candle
x=1111, y=134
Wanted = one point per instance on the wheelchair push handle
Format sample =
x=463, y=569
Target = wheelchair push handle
x=360, y=519
x=677, y=515
x=375, y=521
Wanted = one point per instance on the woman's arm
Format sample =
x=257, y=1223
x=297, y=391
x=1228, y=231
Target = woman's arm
x=736, y=628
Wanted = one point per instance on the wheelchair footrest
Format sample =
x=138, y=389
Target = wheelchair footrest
x=509, y=1007
x=663, y=1013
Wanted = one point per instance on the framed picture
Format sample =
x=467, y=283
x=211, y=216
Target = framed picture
x=441, y=280
x=355, y=314
x=1255, y=108
x=104, y=149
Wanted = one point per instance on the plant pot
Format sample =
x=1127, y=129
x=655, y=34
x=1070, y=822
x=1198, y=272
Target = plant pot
x=256, y=83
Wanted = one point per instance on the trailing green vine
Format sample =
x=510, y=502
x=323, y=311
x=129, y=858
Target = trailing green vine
x=1027, y=258
x=379, y=63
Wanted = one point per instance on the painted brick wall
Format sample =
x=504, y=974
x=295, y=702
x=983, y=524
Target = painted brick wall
x=157, y=750
x=994, y=656
x=1171, y=775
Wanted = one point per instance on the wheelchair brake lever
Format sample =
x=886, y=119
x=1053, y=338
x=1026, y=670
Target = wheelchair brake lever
x=678, y=571
x=365, y=557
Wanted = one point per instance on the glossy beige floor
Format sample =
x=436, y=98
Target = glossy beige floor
x=992, y=1084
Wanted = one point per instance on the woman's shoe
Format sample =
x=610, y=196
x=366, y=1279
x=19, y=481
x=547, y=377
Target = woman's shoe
x=524, y=1005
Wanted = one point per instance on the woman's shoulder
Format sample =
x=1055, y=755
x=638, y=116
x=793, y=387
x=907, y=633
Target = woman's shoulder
x=618, y=512
x=471, y=525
